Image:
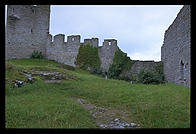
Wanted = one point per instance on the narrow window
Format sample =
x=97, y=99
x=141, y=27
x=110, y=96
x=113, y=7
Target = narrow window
x=33, y=11
x=72, y=39
x=110, y=43
x=31, y=30
x=186, y=66
x=182, y=71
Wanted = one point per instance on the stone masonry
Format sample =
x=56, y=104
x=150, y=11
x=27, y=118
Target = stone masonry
x=106, y=53
x=138, y=66
x=27, y=30
x=66, y=52
x=61, y=51
x=175, y=52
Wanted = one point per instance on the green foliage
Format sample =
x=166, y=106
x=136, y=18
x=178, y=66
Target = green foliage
x=14, y=72
x=88, y=58
x=150, y=77
x=37, y=55
x=159, y=68
x=97, y=71
x=126, y=78
x=120, y=62
x=114, y=71
x=54, y=105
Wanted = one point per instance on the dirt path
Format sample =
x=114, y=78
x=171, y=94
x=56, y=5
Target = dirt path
x=107, y=118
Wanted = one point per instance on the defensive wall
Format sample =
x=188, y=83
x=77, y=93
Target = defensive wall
x=175, y=52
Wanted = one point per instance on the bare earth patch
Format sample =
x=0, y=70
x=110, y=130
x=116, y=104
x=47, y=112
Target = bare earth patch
x=107, y=118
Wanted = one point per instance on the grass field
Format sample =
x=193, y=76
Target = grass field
x=54, y=105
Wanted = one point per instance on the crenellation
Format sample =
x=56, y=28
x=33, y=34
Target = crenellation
x=73, y=39
x=106, y=53
x=59, y=39
x=28, y=31
x=108, y=42
x=94, y=42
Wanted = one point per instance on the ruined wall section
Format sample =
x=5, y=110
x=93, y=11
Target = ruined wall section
x=61, y=51
x=175, y=52
x=27, y=29
x=94, y=42
x=106, y=53
x=138, y=66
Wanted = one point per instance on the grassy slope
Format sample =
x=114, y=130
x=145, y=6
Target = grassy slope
x=53, y=105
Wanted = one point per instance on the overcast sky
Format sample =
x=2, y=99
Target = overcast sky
x=138, y=29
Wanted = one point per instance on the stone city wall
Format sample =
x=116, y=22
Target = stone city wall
x=175, y=52
x=63, y=52
x=106, y=53
x=27, y=29
x=138, y=66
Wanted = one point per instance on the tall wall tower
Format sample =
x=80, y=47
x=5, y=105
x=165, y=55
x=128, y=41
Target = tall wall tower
x=175, y=52
x=27, y=30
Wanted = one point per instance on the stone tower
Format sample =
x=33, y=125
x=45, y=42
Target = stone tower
x=175, y=52
x=27, y=30
x=107, y=52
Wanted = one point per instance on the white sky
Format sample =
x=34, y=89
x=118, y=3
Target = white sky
x=139, y=29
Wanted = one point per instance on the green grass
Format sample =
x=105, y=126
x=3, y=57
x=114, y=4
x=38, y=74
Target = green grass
x=52, y=105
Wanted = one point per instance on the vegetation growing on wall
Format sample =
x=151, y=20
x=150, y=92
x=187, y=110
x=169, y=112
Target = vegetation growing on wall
x=88, y=58
x=120, y=62
x=37, y=55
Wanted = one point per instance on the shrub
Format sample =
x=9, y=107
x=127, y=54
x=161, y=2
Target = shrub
x=97, y=71
x=120, y=62
x=149, y=77
x=88, y=58
x=37, y=55
x=126, y=78
x=114, y=71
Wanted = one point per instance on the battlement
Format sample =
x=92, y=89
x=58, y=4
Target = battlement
x=28, y=27
x=73, y=39
x=109, y=42
x=94, y=41
x=59, y=38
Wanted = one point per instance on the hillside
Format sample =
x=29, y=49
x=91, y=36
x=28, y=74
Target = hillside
x=63, y=97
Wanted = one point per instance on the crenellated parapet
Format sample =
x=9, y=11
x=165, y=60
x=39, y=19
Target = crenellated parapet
x=66, y=52
x=28, y=31
x=106, y=53
x=108, y=42
x=94, y=42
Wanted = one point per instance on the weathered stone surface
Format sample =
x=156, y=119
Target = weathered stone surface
x=106, y=53
x=139, y=66
x=104, y=117
x=94, y=42
x=175, y=52
x=63, y=52
x=18, y=83
x=27, y=29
